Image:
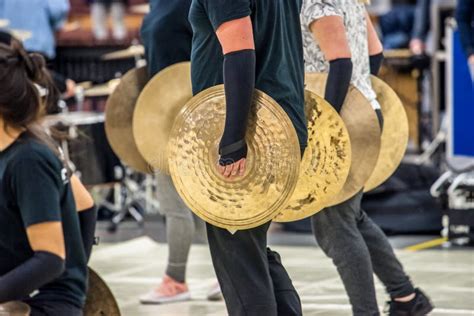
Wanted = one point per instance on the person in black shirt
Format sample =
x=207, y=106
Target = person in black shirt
x=249, y=44
x=43, y=258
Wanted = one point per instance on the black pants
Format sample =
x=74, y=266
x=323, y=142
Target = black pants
x=359, y=248
x=252, y=277
x=50, y=308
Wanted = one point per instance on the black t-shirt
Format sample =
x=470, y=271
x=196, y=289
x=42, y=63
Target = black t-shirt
x=167, y=34
x=34, y=188
x=278, y=47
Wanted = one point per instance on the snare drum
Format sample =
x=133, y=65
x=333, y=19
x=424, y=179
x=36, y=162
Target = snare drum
x=87, y=147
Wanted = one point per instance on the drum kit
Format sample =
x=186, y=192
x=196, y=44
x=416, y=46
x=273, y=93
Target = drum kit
x=158, y=126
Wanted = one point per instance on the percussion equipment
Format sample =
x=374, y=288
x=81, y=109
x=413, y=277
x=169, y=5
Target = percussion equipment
x=326, y=161
x=86, y=146
x=140, y=8
x=156, y=109
x=364, y=132
x=272, y=164
x=133, y=51
x=102, y=90
x=14, y=309
x=394, y=134
x=100, y=300
x=119, y=117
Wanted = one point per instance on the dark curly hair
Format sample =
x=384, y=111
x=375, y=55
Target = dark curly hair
x=26, y=89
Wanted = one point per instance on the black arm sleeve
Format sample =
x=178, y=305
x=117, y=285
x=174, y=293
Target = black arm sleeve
x=375, y=63
x=37, y=271
x=87, y=221
x=239, y=82
x=337, y=85
x=464, y=17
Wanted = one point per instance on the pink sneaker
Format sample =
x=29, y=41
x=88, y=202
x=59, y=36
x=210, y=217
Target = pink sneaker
x=169, y=291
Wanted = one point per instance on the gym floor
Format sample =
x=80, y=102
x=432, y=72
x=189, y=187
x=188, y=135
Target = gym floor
x=136, y=264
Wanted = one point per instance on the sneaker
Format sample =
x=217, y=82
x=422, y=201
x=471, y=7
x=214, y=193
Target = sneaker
x=419, y=306
x=169, y=291
x=215, y=293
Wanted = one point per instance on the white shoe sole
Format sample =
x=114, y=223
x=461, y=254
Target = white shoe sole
x=165, y=300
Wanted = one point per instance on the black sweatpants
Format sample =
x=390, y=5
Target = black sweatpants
x=359, y=248
x=252, y=277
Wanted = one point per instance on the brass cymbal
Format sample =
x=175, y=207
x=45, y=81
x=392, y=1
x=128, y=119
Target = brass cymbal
x=364, y=132
x=14, y=308
x=102, y=90
x=394, y=135
x=100, y=299
x=272, y=164
x=156, y=109
x=119, y=118
x=326, y=161
x=130, y=52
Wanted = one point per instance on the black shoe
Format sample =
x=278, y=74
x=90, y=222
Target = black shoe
x=419, y=306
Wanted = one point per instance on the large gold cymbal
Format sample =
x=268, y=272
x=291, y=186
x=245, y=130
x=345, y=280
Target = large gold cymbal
x=394, y=135
x=326, y=161
x=364, y=132
x=156, y=109
x=272, y=165
x=119, y=118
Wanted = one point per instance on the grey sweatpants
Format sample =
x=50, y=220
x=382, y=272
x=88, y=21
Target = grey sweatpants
x=359, y=248
x=181, y=227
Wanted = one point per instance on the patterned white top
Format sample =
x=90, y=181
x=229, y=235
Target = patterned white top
x=354, y=14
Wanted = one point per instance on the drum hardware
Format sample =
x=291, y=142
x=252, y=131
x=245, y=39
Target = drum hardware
x=135, y=51
x=102, y=90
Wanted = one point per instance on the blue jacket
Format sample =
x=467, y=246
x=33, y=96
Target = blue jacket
x=41, y=17
x=465, y=17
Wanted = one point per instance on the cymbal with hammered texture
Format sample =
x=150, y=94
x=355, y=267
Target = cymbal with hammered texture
x=364, y=132
x=100, y=300
x=119, y=118
x=326, y=161
x=156, y=109
x=394, y=135
x=272, y=164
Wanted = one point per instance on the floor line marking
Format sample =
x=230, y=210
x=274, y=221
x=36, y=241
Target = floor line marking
x=427, y=244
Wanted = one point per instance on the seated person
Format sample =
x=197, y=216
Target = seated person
x=43, y=253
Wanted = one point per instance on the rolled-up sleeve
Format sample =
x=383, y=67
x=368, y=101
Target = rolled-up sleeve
x=313, y=10
x=58, y=11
